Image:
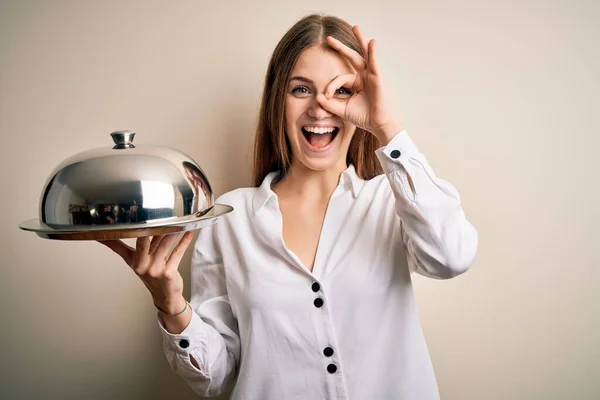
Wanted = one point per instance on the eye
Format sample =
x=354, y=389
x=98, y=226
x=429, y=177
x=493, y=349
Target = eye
x=300, y=90
x=343, y=92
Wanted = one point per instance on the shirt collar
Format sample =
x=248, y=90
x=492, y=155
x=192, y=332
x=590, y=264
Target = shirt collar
x=264, y=192
x=349, y=179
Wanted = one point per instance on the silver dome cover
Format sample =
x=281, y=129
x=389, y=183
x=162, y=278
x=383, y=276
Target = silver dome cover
x=124, y=190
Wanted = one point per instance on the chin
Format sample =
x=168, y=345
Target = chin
x=323, y=164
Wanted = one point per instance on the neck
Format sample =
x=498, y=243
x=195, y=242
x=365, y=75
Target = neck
x=310, y=185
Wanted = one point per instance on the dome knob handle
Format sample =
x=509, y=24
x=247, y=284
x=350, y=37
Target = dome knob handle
x=123, y=139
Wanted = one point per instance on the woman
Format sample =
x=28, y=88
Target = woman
x=304, y=291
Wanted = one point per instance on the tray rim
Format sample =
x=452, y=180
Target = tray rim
x=126, y=230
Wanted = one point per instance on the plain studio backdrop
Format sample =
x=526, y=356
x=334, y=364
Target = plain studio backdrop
x=502, y=97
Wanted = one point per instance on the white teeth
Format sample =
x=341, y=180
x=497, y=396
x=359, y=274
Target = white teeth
x=319, y=131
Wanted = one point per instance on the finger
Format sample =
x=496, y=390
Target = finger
x=334, y=106
x=350, y=81
x=179, y=251
x=142, y=245
x=373, y=66
x=357, y=61
x=361, y=39
x=162, y=252
x=155, y=243
x=126, y=252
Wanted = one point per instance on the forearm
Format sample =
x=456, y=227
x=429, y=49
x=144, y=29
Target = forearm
x=435, y=230
x=203, y=356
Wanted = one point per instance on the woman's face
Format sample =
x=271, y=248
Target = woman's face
x=319, y=139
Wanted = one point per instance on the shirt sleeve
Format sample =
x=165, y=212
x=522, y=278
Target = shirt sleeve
x=439, y=240
x=211, y=338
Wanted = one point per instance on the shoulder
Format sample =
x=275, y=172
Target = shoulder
x=376, y=186
x=377, y=180
x=241, y=200
x=224, y=226
x=238, y=197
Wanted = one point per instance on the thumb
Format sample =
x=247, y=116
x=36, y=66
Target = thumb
x=333, y=105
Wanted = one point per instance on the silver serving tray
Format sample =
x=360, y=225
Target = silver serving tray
x=125, y=231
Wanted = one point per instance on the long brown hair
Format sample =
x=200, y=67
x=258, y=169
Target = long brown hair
x=272, y=151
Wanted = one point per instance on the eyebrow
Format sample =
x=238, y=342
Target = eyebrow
x=301, y=78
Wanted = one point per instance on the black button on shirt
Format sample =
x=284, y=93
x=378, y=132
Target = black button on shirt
x=395, y=153
x=318, y=302
x=316, y=287
x=328, y=351
x=331, y=368
x=184, y=344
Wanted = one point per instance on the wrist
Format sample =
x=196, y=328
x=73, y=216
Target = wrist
x=171, y=305
x=386, y=133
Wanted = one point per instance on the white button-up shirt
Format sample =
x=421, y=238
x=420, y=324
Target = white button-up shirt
x=347, y=330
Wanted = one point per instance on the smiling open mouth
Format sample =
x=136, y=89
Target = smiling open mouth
x=320, y=137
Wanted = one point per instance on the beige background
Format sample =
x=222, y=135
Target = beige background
x=501, y=96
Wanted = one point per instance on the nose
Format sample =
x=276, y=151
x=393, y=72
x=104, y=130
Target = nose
x=316, y=111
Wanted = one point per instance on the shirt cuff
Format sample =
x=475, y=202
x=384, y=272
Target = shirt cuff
x=396, y=152
x=192, y=336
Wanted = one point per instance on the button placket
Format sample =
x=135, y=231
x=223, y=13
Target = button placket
x=318, y=302
x=331, y=367
x=327, y=351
